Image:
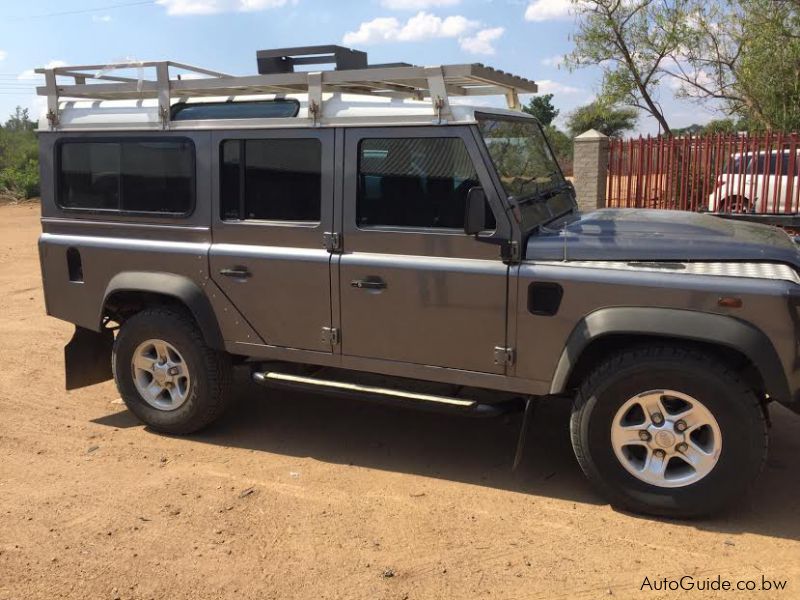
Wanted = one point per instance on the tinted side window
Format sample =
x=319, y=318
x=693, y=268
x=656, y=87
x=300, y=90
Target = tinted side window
x=131, y=176
x=89, y=176
x=776, y=163
x=157, y=177
x=281, y=180
x=414, y=182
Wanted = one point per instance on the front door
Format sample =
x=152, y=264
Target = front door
x=413, y=286
x=275, y=203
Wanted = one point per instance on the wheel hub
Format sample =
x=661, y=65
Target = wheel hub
x=160, y=374
x=666, y=438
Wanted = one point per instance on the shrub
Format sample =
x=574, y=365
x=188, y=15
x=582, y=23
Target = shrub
x=21, y=182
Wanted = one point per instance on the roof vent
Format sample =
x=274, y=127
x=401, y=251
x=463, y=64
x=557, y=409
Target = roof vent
x=283, y=60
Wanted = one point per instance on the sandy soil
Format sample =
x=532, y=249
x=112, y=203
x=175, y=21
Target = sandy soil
x=298, y=496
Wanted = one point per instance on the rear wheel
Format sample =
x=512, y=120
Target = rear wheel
x=668, y=431
x=167, y=375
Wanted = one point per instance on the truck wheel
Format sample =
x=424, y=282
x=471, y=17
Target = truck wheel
x=668, y=431
x=167, y=375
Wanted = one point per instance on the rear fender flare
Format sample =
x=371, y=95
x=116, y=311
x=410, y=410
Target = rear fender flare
x=175, y=286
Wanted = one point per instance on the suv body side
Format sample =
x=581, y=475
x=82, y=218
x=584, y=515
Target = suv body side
x=436, y=280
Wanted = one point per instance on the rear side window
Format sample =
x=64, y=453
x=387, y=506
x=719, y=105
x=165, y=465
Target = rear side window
x=774, y=160
x=271, y=180
x=127, y=176
x=414, y=182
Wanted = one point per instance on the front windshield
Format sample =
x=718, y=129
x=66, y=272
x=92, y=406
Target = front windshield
x=527, y=168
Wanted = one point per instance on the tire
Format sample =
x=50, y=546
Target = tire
x=735, y=204
x=621, y=381
x=205, y=388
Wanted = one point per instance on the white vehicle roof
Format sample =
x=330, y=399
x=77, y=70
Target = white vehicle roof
x=338, y=110
x=353, y=94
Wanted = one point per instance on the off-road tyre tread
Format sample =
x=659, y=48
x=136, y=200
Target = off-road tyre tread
x=212, y=381
x=668, y=353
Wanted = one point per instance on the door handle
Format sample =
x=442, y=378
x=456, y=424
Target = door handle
x=370, y=283
x=237, y=272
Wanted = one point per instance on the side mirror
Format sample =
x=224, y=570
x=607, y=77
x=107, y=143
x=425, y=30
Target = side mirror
x=475, y=211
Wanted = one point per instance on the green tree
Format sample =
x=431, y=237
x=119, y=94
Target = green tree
x=745, y=55
x=542, y=108
x=631, y=41
x=607, y=119
x=741, y=56
x=19, y=164
x=20, y=121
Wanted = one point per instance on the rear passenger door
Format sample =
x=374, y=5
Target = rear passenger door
x=275, y=201
x=414, y=288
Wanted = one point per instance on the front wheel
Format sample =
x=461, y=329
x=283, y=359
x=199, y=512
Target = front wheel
x=167, y=375
x=668, y=431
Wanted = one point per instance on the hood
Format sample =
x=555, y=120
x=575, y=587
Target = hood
x=652, y=235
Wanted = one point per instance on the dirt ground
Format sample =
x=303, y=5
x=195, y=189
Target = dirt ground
x=300, y=496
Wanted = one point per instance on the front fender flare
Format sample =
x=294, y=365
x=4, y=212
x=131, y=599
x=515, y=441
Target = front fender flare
x=721, y=330
x=179, y=287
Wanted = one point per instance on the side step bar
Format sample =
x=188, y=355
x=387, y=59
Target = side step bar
x=357, y=390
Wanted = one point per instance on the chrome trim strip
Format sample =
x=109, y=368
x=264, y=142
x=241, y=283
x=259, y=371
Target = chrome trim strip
x=125, y=243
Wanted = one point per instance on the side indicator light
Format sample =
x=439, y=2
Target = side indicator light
x=730, y=302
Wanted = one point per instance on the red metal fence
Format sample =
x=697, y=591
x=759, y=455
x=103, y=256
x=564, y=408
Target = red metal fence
x=721, y=173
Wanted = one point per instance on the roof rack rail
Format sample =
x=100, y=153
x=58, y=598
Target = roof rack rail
x=352, y=75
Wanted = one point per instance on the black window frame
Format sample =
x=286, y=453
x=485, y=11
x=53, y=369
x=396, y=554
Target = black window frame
x=242, y=201
x=414, y=228
x=58, y=179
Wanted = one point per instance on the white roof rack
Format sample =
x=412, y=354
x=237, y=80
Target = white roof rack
x=96, y=82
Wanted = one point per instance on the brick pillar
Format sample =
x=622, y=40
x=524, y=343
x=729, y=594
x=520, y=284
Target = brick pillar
x=591, y=170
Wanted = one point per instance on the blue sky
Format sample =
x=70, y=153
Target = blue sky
x=525, y=37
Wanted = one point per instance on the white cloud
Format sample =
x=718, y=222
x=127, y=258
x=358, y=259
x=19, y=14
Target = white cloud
x=30, y=74
x=417, y=4
x=553, y=61
x=380, y=29
x=547, y=10
x=211, y=7
x=101, y=18
x=421, y=26
x=3, y=54
x=481, y=42
x=547, y=86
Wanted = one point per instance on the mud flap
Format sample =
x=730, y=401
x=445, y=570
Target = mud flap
x=530, y=406
x=87, y=357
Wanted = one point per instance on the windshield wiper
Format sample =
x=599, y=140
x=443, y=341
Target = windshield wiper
x=542, y=195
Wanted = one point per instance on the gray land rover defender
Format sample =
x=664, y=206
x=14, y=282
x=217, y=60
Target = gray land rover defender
x=357, y=230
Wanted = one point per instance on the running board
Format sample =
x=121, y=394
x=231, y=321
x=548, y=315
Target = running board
x=357, y=390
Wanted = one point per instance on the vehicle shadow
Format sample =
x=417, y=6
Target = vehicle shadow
x=478, y=451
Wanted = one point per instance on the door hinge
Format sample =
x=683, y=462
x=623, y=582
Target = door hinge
x=330, y=335
x=503, y=355
x=332, y=241
x=510, y=251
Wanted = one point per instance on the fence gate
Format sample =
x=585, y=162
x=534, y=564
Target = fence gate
x=757, y=174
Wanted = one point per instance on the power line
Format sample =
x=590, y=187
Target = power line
x=82, y=11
